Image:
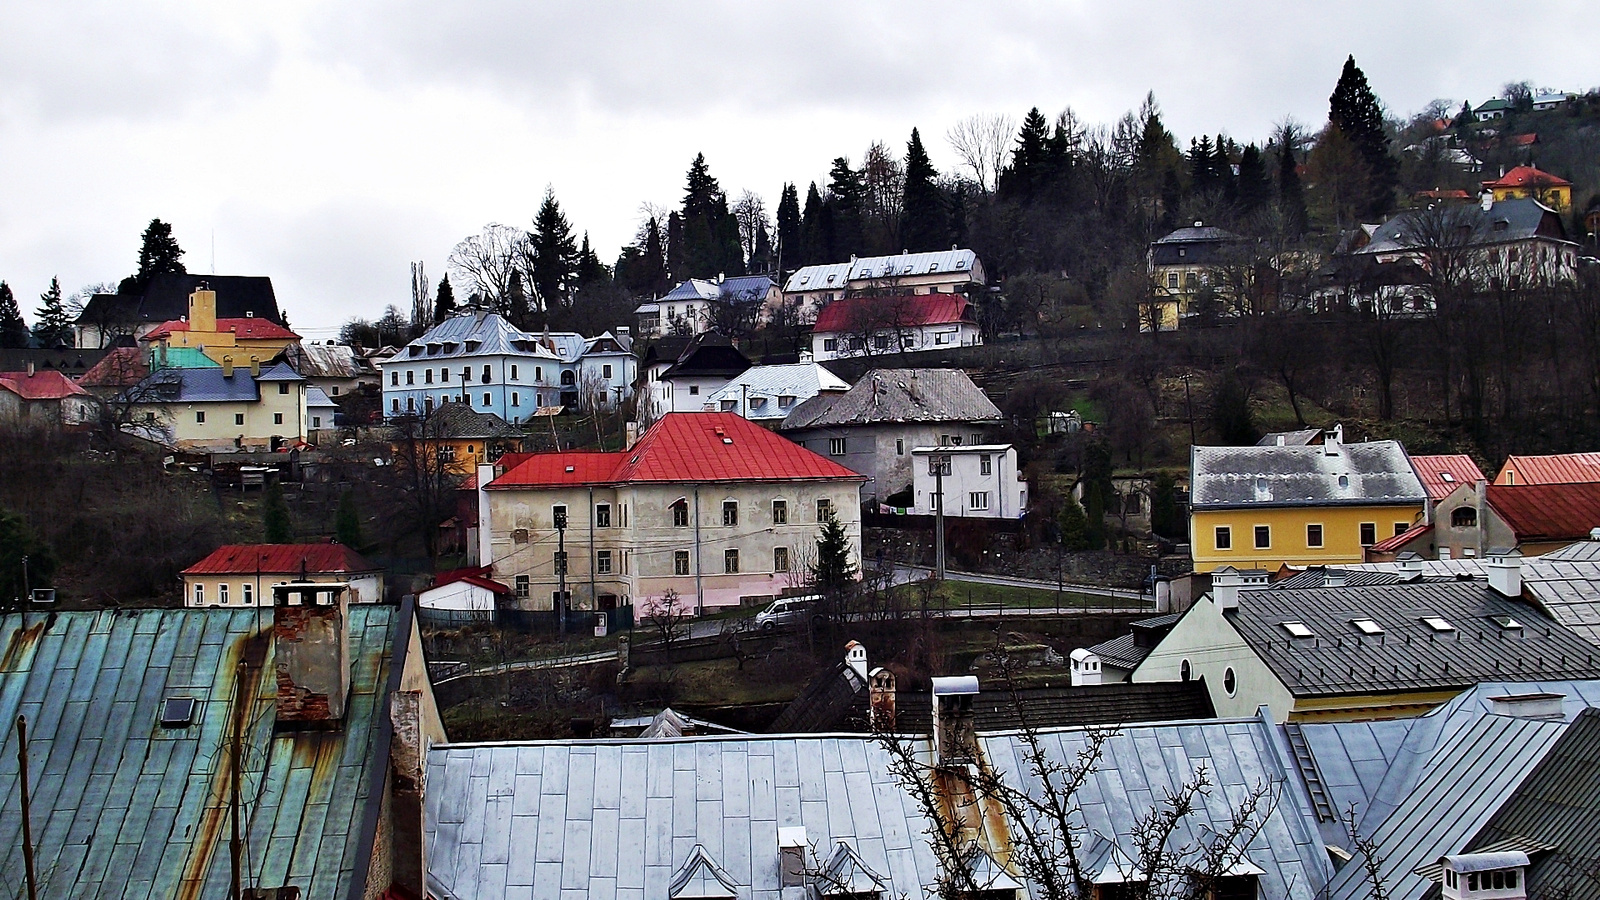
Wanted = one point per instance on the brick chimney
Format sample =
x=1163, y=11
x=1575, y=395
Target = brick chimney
x=881, y=697
x=955, y=738
x=312, y=651
x=408, y=755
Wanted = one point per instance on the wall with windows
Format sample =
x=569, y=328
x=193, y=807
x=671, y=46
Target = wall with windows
x=981, y=481
x=510, y=386
x=826, y=345
x=882, y=452
x=255, y=588
x=280, y=412
x=1344, y=533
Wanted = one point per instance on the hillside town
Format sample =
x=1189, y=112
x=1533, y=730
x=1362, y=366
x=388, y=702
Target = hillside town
x=1119, y=521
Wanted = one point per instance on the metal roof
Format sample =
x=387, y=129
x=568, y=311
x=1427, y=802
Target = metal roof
x=1441, y=475
x=879, y=313
x=873, y=268
x=1556, y=468
x=1372, y=473
x=1564, y=583
x=490, y=334
x=1506, y=220
x=460, y=420
x=798, y=380
x=327, y=360
x=1547, y=512
x=314, y=559
x=898, y=395
x=195, y=386
x=316, y=398
x=123, y=807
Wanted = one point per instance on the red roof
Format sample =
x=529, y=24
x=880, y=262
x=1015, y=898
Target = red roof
x=1527, y=176
x=277, y=559
x=682, y=447
x=46, y=384
x=475, y=575
x=1559, y=468
x=907, y=311
x=1442, y=194
x=1524, y=140
x=1441, y=475
x=120, y=367
x=1398, y=542
x=251, y=328
x=1553, y=512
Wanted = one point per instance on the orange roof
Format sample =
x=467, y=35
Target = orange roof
x=277, y=559
x=1527, y=176
x=1559, y=468
x=1441, y=475
x=682, y=447
x=1553, y=512
x=251, y=328
x=46, y=384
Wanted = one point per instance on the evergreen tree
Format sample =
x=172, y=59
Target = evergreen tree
x=1354, y=110
x=710, y=230
x=275, y=519
x=1074, y=526
x=590, y=269
x=789, y=249
x=923, y=224
x=159, y=254
x=1255, y=184
x=846, y=200
x=347, y=521
x=1203, y=175
x=761, y=260
x=515, y=305
x=1222, y=169
x=1231, y=416
x=1098, y=491
x=816, y=231
x=1465, y=119
x=444, y=301
x=1166, y=514
x=655, y=258
x=52, y=327
x=1291, y=195
x=677, y=264
x=1029, y=159
x=555, y=255
x=834, y=571
x=13, y=331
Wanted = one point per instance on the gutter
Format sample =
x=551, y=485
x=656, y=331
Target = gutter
x=378, y=776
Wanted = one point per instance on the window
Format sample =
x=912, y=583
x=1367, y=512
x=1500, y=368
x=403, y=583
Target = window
x=730, y=406
x=222, y=594
x=177, y=712
x=1505, y=622
x=830, y=344
x=602, y=515
x=538, y=373
x=395, y=404
x=394, y=379
x=513, y=372
x=199, y=594
x=447, y=452
x=516, y=399
x=427, y=376
x=836, y=446
x=1263, y=536
x=411, y=404
x=785, y=401
x=522, y=587
x=780, y=559
x=602, y=562
x=561, y=562
x=444, y=376
x=1313, y=535
x=1230, y=682
x=411, y=377
x=485, y=399
x=238, y=418
x=1369, y=534
x=899, y=447
x=316, y=421
x=1185, y=671
x=881, y=342
x=1224, y=537
x=1172, y=281
x=730, y=513
x=730, y=562
x=1437, y=623
x=780, y=512
x=466, y=374
x=1297, y=629
x=680, y=514
x=680, y=562
x=1401, y=527
x=277, y=418
x=1464, y=517
x=694, y=390
x=985, y=465
x=1367, y=626
x=824, y=509
x=283, y=387
x=978, y=500
x=605, y=371
x=485, y=374
x=558, y=516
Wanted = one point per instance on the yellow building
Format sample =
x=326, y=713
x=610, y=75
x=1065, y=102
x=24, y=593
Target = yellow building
x=218, y=409
x=1182, y=265
x=1527, y=181
x=455, y=438
x=1319, y=504
x=239, y=341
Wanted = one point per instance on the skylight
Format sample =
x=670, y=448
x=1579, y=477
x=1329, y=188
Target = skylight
x=1507, y=623
x=1446, y=477
x=1437, y=623
x=1367, y=626
x=1297, y=629
x=177, y=712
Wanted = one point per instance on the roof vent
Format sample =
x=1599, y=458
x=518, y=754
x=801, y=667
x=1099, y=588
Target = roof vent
x=1533, y=705
x=1199, y=224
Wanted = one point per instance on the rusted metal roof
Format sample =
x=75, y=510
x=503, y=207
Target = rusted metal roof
x=1548, y=512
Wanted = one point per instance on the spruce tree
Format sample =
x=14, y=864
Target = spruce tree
x=276, y=524
x=655, y=259
x=555, y=255
x=1203, y=176
x=923, y=223
x=444, y=301
x=1074, y=526
x=13, y=331
x=159, y=254
x=816, y=231
x=347, y=521
x=761, y=260
x=1222, y=169
x=1255, y=184
x=846, y=200
x=710, y=230
x=590, y=269
x=1026, y=173
x=789, y=250
x=1354, y=109
x=52, y=327
x=834, y=570
x=677, y=265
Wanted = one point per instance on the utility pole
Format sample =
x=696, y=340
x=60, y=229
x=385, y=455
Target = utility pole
x=27, y=807
x=938, y=461
x=561, y=571
x=1188, y=406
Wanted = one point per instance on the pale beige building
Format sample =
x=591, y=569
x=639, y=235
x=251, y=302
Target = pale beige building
x=220, y=408
x=244, y=574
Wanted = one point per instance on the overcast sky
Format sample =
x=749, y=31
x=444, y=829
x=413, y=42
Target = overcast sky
x=330, y=144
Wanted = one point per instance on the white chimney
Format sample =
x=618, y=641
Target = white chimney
x=1500, y=875
x=1486, y=200
x=1505, y=572
x=1331, y=439
x=954, y=728
x=1594, y=534
x=855, y=656
x=1410, y=565
x=1538, y=705
x=1085, y=668
x=1225, y=584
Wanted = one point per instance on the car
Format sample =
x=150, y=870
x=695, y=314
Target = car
x=786, y=611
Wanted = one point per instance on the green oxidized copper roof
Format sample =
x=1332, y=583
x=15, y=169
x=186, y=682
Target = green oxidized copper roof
x=123, y=807
x=181, y=358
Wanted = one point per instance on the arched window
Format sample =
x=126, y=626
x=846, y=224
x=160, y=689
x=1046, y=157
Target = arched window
x=1464, y=517
x=568, y=379
x=1185, y=672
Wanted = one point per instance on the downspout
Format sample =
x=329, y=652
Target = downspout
x=699, y=584
x=593, y=594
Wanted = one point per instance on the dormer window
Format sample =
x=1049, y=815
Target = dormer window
x=1367, y=626
x=1437, y=623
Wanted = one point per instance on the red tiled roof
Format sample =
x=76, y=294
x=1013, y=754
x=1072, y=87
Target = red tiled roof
x=120, y=367
x=46, y=384
x=1547, y=511
x=1559, y=468
x=1441, y=475
x=251, y=328
x=682, y=447
x=907, y=312
x=1524, y=140
x=237, y=559
x=1399, y=541
x=474, y=575
x=1527, y=176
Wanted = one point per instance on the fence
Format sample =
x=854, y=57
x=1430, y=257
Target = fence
x=578, y=621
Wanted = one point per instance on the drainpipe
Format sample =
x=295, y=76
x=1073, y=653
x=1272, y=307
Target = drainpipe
x=699, y=584
x=593, y=594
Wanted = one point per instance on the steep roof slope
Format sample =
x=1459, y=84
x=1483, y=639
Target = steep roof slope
x=1548, y=511
x=1363, y=474
x=1441, y=475
x=898, y=395
x=1556, y=468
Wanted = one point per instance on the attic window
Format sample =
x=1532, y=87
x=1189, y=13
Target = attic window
x=1447, y=477
x=1297, y=629
x=1437, y=623
x=1344, y=481
x=1367, y=626
x=1507, y=623
x=177, y=712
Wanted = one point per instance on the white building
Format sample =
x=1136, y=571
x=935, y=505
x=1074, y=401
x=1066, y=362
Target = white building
x=769, y=393
x=680, y=376
x=941, y=272
x=608, y=368
x=980, y=481
x=694, y=306
x=904, y=323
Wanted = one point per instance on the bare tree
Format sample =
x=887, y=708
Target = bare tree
x=487, y=261
x=422, y=476
x=981, y=142
x=885, y=178
x=751, y=213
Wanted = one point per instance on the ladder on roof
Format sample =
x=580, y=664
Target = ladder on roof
x=1309, y=772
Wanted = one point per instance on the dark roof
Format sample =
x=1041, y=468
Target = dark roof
x=1558, y=805
x=460, y=420
x=833, y=700
x=1199, y=245
x=898, y=395
x=72, y=362
x=1409, y=655
x=1317, y=577
x=1555, y=512
x=1102, y=704
x=1371, y=473
x=167, y=298
x=1128, y=650
x=120, y=367
x=1506, y=220
x=708, y=354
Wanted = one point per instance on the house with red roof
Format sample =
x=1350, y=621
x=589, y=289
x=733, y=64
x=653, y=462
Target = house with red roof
x=880, y=325
x=238, y=575
x=706, y=505
x=1528, y=182
x=249, y=340
x=44, y=398
x=462, y=595
x=1555, y=468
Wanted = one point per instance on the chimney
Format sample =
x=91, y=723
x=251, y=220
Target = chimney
x=203, y=309
x=312, y=649
x=855, y=656
x=1481, y=488
x=881, y=696
x=408, y=754
x=1486, y=200
x=1085, y=668
x=227, y=367
x=1499, y=875
x=1505, y=572
x=1410, y=565
x=792, y=849
x=1594, y=534
x=1538, y=705
x=954, y=727
x=631, y=435
x=1280, y=440
x=30, y=368
x=1226, y=583
x=1331, y=440
x=255, y=367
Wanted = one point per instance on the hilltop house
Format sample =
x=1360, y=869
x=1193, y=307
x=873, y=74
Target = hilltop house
x=697, y=305
x=219, y=408
x=873, y=325
x=1511, y=243
x=44, y=398
x=708, y=506
x=1528, y=182
x=811, y=288
x=1181, y=265
x=873, y=427
x=244, y=574
x=244, y=340
x=166, y=298
x=337, y=369
x=769, y=393
x=456, y=438
x=684, y=381
x=607, y=369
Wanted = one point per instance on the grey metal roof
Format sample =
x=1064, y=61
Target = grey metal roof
x=206, y=385
x=799, y=380
x=460, y=420
x=492, y=336
x=1303, y=438
x=1198, y=233
x=316, y=398
x=1409, y=654
x=1122, y=652
x=901, y=265
x=279, y=372
x=1565, y=583
x=327, y=360
x=1507, y=220
x=1317, y=577
x=898, y=395
x=123, y=807
x=1365, y=474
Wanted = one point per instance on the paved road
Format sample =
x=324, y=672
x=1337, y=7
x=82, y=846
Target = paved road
x=905, y=573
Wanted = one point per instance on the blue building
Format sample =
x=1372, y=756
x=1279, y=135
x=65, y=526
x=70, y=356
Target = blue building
x=481, y=360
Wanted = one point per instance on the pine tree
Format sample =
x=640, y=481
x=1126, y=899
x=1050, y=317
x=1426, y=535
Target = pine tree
x=52, y=327
x=1255, y=185
x=790, y=252
x=1222, y=169
x=1074, y=526
x=1026, y=173
x=816, y=231
x=13, y=331
x=655, y=257
x=1203, y=176
x=845, y=203
x=159, y=254
x=590, y=269
x=275, y=519
x=1354, y=109
x=677, y=265
x=444, y=301
x=555, y=255
x=347, y=521
x=833, y=570
x=710, y=230
x=923, y=223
